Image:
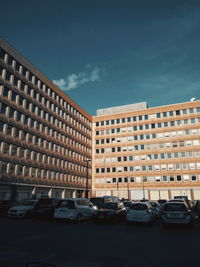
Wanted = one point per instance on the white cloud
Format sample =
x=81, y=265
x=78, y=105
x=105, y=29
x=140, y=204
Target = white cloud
x=75, y=80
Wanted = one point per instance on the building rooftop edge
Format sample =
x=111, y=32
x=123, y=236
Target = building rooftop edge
x=23, y=60
x=148, y=108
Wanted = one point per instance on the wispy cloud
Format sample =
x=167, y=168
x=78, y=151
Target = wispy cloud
x=75, y=80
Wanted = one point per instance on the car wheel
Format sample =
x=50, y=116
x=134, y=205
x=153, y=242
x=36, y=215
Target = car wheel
x=78, y=218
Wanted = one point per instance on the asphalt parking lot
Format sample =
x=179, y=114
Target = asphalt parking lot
x=90, y=245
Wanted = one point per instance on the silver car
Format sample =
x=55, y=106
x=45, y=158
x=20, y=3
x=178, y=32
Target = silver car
x=176, y=213
x=76, y=210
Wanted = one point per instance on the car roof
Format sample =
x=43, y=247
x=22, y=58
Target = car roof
x=74, y=199
x=175, y=202
x=143, y=203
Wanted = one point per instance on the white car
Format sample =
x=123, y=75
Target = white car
x=176, y=213
x=140, y=212
x=75, y=209
x=24, y=209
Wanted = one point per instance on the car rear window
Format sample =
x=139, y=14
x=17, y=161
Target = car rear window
x=110, y=205
x=175, y=207
x=138, y=207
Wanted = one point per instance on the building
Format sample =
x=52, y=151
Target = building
x=47, y=142
x=45, y=137
x=142, y=152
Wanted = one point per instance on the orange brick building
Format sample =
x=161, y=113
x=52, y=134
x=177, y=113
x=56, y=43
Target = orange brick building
x=147, y=152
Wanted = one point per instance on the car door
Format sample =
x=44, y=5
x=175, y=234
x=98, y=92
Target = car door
x=83, y=208
x=91, y=210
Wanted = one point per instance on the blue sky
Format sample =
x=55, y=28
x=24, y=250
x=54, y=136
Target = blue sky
x=109, y=53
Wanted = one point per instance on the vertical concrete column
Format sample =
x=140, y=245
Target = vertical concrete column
x=192, y=194
x=169, y=194
x=74, y=194
x=63, y=193
x=50, y=192
x=34, y=193
x=149, y=194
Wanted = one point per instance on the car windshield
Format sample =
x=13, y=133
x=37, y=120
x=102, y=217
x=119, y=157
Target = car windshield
x=127, y=204
x=175, y=207
x=66, y=204
x=111, y=206
x=181, y=197
x=97, y=202
x=138, y=207
x=27, y=203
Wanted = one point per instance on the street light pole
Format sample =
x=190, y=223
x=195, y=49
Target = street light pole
x=128, y=189
x=143, y=187
x=86, y=189
x=117, y=189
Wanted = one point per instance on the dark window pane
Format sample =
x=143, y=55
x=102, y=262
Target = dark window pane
x=2, y=54
x=1, y=126
x=3, y=108
x=8, y=75
x=11, y=114
x=5, y=91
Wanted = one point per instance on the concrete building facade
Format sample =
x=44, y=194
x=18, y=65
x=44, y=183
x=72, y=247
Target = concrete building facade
x=45, y=137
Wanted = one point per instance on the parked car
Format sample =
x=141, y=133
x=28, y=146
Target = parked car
x=5, y=205
x=99, y=201
x=127, y=204
x=162, y=202
x=156, y=207
x=75, y=209
x=111, y=211
x=45, y=207
x=176, y=213
x=23, y=209
x=141, y=212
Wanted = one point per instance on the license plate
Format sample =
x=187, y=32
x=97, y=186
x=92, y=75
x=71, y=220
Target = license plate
x=101, y=217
